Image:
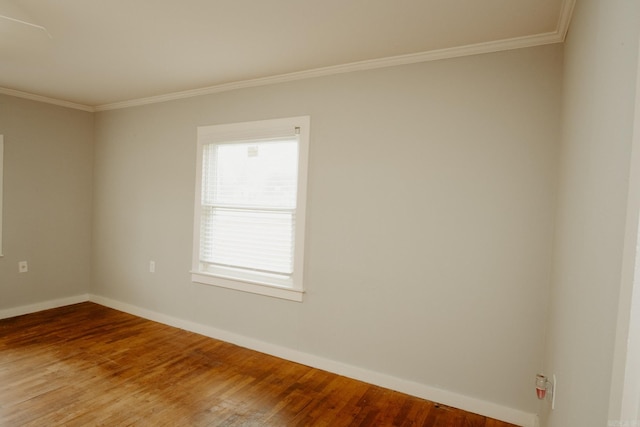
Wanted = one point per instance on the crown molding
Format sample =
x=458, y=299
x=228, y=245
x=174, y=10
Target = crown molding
x=566, y=12
x=557, y=36
x=433, y=55
x=46, y=100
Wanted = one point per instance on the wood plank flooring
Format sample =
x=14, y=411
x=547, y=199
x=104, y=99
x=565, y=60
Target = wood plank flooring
x=88, y=365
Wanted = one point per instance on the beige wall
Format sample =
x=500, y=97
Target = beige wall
x=431, y=203
x=48, y=156
x=599, y=94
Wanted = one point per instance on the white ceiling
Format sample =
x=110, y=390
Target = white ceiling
x=107, y=53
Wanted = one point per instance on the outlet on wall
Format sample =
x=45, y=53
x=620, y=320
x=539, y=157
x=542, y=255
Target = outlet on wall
x=152, y=266
x=23, y=267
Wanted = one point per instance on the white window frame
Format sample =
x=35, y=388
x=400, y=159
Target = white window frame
x=291, y=287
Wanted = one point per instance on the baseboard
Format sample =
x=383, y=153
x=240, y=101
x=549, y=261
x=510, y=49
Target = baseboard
x=40, y=306
x=456, y=400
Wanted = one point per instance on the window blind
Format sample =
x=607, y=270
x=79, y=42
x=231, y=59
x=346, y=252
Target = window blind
x=249, y=192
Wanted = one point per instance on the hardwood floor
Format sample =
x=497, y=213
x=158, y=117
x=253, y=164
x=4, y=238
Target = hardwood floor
x=88, y=365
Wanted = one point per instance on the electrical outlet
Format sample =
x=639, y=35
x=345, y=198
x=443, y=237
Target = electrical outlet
x=23, y=267
x=152, y=266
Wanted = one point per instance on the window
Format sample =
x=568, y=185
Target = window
x=1, y=166
x=250, y=206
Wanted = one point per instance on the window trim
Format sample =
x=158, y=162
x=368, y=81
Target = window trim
x=236, y=132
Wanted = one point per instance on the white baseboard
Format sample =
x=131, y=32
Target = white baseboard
x=456, y=400
x=40, y=306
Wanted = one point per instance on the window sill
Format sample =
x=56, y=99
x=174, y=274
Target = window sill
x=245, y=286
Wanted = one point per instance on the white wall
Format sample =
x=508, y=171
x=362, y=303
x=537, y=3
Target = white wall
x=598, y=103
x=430, y=220
x=48, y=155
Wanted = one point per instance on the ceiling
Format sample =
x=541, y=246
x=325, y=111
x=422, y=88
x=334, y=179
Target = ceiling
x=102, y=54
